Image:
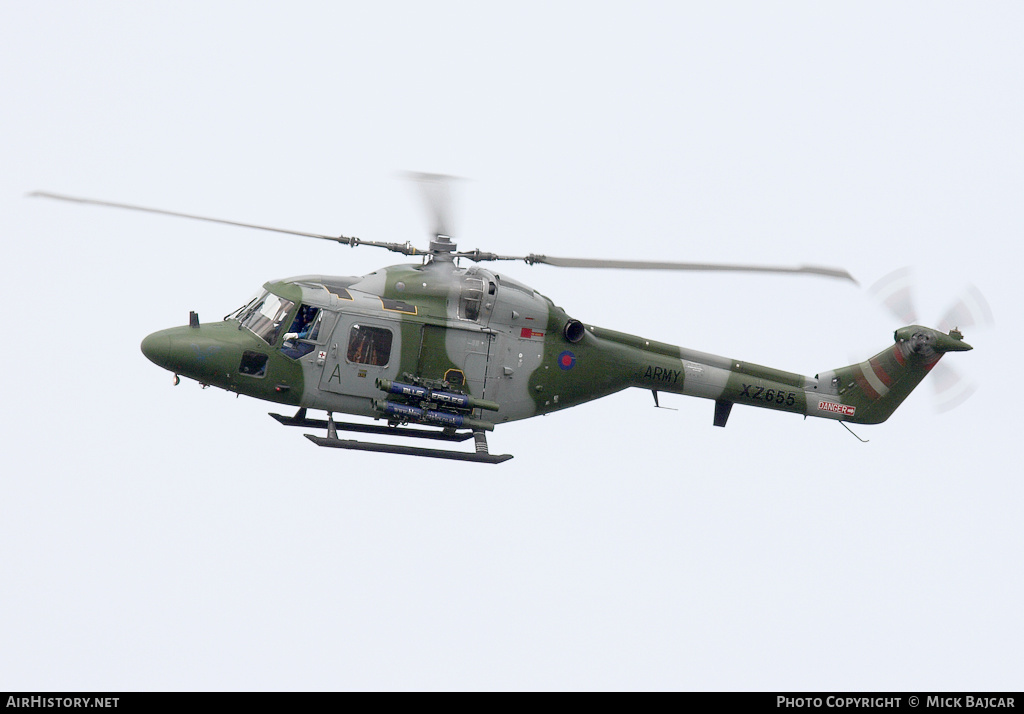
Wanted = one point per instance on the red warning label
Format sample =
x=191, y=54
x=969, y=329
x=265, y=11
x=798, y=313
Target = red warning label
x=844, y=409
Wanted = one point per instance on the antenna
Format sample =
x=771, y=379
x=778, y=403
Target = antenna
x=863, y=441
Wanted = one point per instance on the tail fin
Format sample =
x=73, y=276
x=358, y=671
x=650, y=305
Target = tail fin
x=876, y=387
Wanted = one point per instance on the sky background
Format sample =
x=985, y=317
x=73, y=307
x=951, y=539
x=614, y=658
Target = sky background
x=157, y=538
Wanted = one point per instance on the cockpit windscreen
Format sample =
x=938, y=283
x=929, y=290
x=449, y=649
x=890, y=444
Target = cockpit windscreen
x=265, y=317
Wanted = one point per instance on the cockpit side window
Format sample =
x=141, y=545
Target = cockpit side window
x=369, y=345
x=314, y=331
x=253, y=364
x=471, y=298
x=305, y=330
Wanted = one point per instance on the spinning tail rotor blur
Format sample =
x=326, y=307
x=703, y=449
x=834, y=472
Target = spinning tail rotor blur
x=895, y=292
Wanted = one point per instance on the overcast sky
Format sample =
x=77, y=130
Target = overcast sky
x=154, y=537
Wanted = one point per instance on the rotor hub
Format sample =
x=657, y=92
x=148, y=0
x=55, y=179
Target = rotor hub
x=442, y=247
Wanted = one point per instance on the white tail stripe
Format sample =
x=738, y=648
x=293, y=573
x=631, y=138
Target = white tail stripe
x=872, y=378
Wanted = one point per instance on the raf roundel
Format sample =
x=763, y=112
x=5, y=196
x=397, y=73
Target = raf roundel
x=566, y=360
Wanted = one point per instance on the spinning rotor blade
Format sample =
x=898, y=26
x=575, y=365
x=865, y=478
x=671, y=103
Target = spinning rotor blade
x=436, y=192
x=971, y=310
x=404, y=248
x=893, y=291
x=951, y=389
x=660, y=265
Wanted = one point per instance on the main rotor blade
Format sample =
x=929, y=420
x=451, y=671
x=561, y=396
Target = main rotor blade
x=110, y=204
x=662, y=265
x=404, y=248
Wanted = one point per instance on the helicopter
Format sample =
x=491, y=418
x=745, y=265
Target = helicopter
x=445, y=352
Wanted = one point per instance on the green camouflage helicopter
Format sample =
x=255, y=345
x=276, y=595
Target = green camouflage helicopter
x=455, y=351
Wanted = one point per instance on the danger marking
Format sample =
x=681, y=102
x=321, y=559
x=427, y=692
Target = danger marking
x=843, y=409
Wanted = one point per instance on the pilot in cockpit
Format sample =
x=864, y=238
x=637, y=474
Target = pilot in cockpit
x=304, y=323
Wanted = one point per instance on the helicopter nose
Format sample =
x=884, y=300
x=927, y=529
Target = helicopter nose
x=157, y=348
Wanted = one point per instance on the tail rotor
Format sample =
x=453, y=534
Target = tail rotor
x=895, y=292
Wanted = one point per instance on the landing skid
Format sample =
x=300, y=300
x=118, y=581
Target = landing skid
x=480, y=456
x=300, y=420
